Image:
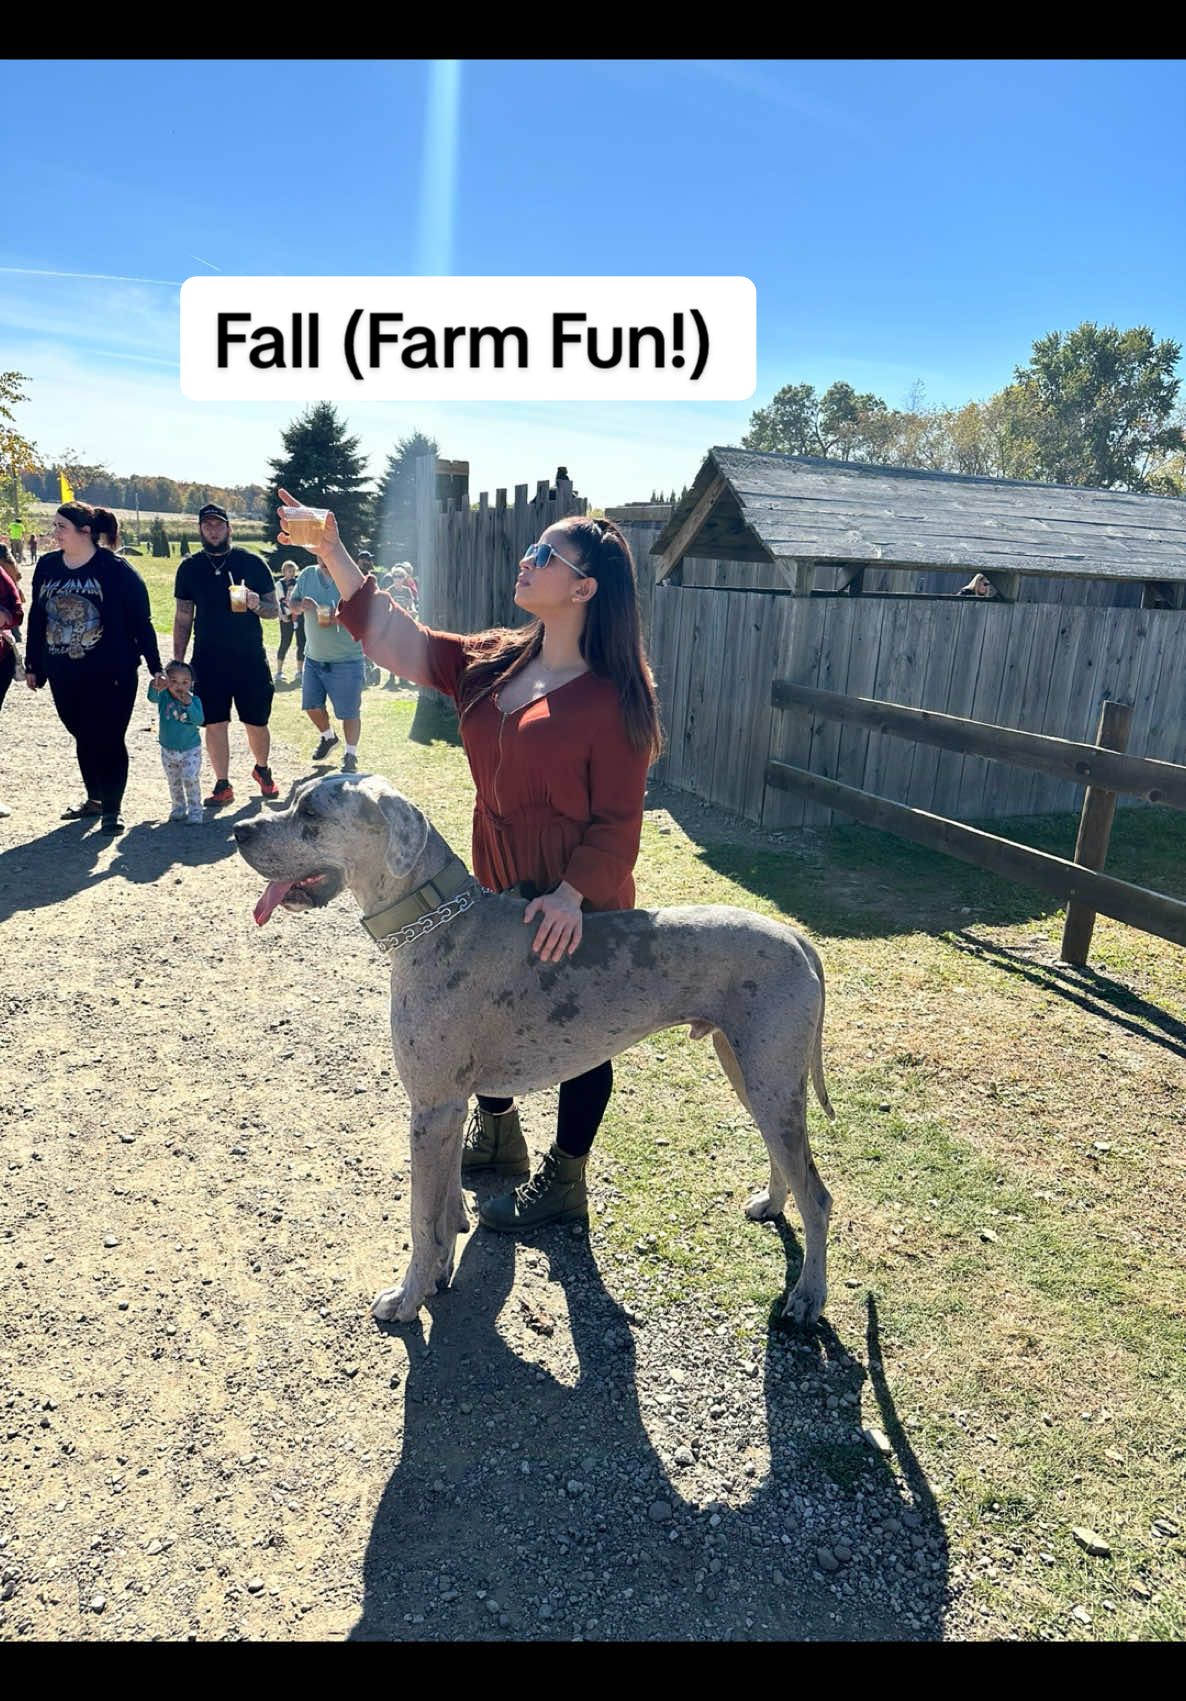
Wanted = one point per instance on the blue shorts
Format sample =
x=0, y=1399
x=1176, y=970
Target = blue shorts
x=340, y=681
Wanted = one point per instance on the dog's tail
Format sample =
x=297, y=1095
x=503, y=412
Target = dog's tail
x=817, y=1044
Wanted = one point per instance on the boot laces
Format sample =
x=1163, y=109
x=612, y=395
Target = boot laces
x=473, y=1134
x=539, y=1182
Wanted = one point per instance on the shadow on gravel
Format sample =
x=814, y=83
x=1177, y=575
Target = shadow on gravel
x=58, y=866
x=580, y=1530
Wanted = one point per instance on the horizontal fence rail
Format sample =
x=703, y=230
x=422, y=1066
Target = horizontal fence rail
x=1063, y=759
x=1153, y=912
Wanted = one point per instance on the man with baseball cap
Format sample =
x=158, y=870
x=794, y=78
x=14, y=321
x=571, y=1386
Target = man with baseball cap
x=227, y=590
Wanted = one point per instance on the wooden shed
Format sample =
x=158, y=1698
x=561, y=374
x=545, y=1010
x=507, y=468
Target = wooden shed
x=846, y=577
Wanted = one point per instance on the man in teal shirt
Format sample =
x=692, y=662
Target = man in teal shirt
x=333, y=666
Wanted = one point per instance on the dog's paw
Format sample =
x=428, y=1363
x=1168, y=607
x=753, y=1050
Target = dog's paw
x=804, y=1305
x=397, y=1305
x=762, y=1208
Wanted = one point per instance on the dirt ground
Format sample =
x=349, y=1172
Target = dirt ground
x=206, y=1436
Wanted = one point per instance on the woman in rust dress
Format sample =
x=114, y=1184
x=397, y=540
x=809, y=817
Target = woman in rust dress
x=559, y=723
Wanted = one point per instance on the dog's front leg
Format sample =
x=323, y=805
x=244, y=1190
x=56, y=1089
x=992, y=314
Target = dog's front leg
x=436, y=1168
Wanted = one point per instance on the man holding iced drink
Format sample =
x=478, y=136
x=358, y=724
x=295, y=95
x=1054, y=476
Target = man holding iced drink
x=226, y=591
x=333, y=665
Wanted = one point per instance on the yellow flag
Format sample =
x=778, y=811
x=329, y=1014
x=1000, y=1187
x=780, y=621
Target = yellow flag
x=64, y=484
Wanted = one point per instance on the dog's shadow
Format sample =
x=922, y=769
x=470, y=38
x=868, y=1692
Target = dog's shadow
x=525, y=1507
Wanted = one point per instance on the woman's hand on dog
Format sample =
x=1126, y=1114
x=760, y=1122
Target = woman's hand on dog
x=559, y=932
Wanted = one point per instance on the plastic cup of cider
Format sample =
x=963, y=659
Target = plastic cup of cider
x=325, y=615
x=305, y=526
x=238, y=597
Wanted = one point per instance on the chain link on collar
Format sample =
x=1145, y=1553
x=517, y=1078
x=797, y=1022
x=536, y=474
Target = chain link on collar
x=465, y=900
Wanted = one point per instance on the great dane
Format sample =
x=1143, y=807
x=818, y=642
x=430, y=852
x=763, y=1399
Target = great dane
x=473, y=1010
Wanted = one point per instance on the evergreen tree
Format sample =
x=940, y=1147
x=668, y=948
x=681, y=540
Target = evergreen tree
x=322, y=466
x=395, y=504
x=158, y=537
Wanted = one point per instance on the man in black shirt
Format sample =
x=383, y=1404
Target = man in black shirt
x=227, y=590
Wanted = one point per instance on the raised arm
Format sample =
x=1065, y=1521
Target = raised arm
x=389, y=637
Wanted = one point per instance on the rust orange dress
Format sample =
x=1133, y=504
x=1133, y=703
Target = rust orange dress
x=559, y=786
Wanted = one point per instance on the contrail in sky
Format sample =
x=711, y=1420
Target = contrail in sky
x=98, y=277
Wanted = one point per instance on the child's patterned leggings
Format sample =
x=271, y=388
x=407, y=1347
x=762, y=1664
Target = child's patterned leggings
x=183, y=769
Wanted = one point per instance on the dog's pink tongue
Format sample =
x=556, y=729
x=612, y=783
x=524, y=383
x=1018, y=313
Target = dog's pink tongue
x=274, y=893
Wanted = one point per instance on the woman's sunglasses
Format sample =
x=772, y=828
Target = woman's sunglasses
x=542, y=554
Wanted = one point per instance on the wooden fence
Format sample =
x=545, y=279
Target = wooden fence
x=1043, y=667
x=1079, y=884
x=466, y=558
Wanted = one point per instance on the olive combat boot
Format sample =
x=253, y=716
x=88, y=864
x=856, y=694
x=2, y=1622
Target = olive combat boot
x=494, y=1141
x=555, y=1194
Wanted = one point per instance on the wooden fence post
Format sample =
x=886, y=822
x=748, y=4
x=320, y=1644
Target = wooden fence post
x=1095, y=829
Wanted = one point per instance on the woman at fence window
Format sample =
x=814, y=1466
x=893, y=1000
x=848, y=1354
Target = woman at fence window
x=559, y=723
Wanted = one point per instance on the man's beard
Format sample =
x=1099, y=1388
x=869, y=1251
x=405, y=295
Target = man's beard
x=223, y=548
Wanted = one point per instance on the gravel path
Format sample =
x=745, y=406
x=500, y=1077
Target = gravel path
x=206, y=1436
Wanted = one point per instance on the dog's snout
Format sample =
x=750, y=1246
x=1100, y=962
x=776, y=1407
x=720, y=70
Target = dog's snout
x=243, y=831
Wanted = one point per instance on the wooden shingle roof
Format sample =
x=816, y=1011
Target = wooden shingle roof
x=798, y=510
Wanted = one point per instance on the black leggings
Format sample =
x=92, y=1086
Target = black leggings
x=7, y=668
x=287, y=628
x=582, y=1106
x=96, y=713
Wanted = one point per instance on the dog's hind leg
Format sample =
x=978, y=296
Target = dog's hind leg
x=729, y=1063
x=436, y=1205
x=781, y=1115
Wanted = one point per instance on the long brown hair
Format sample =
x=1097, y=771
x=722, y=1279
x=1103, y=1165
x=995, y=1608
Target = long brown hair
x=611, y=643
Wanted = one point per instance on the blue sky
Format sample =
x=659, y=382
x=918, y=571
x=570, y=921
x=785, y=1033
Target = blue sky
x=903, y=221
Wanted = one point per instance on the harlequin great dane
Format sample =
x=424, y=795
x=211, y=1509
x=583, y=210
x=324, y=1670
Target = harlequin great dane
x=473, y=1010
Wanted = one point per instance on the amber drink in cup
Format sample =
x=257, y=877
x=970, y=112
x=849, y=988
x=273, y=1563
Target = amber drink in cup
x=305, y=526
x=238, y=598
x=325, y=616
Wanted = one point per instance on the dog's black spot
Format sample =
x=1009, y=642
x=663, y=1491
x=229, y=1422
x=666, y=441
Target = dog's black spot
x=465, y=1072
x=505, y=999
x=455, y=979
x=749, y=986
x=565, y=1011
x=547, y=979
x=596, y=949
x=446, y=946
x=642, y=951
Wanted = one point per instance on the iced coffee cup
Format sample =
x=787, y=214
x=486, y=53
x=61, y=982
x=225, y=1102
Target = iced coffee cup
x=305, y=526
x=325, y=616
x=239, y=598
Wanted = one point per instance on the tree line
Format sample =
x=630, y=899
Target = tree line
x=1096, y=406
x=152, y=492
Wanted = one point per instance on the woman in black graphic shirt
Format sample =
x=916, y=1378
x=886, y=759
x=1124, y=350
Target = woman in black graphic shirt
x=88, y=626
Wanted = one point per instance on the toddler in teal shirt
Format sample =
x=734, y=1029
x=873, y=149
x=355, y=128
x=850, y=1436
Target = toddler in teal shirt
x=181, y=744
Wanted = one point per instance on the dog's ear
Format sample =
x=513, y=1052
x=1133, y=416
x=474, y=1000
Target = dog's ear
x=407, y=828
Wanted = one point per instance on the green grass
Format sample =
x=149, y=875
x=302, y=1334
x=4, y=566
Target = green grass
x=1022, y=1275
